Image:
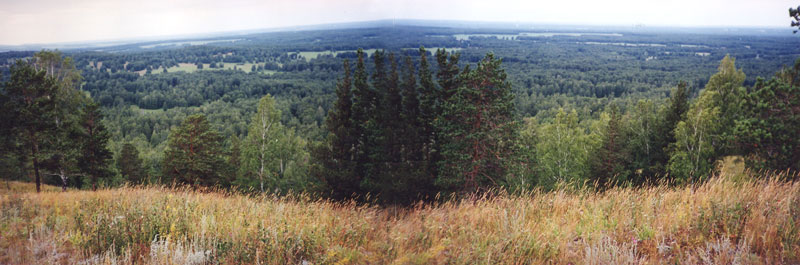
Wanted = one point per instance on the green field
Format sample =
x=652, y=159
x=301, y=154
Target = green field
x=191, y=68
x=308, y=55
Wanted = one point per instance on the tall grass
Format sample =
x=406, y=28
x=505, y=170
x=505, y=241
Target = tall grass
x=717, y=222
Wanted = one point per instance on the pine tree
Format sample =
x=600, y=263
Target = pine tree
x=96, y=157
x=477, y=123
x=130, y=164
x=428, y=100
x=365, y=102
x=194, y=154
x=609, y=165
x=448, y=74
x=769, y=127
x=334, y=160
x=419, y=182
x=673, y=113
x=62, y=151
x=235, y=158
x=391, y=183
x=31, y=106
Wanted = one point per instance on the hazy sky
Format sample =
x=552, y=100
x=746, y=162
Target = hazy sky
x=48, y=21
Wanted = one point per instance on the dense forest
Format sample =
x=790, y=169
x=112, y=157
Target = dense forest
x=354, y=113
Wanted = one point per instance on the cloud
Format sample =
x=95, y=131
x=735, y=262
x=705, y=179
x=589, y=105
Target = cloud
x=48, y=21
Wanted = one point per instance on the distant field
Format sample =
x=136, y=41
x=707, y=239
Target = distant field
x=720, y=222
x=181, y=43
x=191, y=68
x=532, y=34
x=313, y=55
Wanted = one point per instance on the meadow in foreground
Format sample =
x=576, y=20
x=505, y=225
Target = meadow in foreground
x=718, y=222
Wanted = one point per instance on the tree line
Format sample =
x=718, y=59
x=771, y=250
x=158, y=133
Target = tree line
x=400, y=131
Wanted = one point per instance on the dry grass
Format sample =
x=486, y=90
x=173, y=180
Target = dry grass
x=718, y=222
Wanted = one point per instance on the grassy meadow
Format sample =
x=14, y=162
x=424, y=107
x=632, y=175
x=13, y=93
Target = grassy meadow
x=721, y=221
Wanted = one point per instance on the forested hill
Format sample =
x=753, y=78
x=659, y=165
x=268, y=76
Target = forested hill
x=146, y=89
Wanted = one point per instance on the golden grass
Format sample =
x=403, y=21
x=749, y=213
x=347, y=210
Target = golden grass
x=16, y=186
x=718, y=222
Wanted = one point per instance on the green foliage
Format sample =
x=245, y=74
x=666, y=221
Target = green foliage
x=524, y=175
x=194, y=154
x=693, y=154
x=563, y=151
x=610, y=160
x=273, y=157
x=334, y=163
x=31, y=107
x=130, y=164
x=770, y=125
x=707, y=133
x=727, y=83
x=95, y=157
x=476, y=127
x=645, y=141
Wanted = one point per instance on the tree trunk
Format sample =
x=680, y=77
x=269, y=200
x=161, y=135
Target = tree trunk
x=63, y=180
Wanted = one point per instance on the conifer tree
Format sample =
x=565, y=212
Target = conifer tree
x=96, y=157
x=30, y=103
x=448, y=74
x=130, y=165
x=410, y=116
x=335, y=158
x=428, y=100
x=364, y=118
x=609, y=165
x=194, y=154
x=770, y=125
x=478, y=127
x=235, y=158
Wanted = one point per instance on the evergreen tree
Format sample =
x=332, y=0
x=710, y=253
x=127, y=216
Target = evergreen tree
x=609, y=165
x=63, y=151
x=96, y=157
x=428, y=102
x=235, y=158
x=194, y=154
x=770, y=126
x=130, y=164
x=335, y=158
x=644, y=141
x=478, y=129
x=675, y=112
x=363, y=119
x=30, y=103
x=418, y=179
x=448, y=74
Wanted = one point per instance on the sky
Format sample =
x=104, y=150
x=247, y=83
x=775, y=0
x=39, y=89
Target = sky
x=60, y=21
